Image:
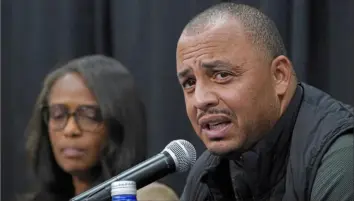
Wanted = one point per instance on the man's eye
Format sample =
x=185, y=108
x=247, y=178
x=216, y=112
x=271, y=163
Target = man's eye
x=188, y=83
x=222, y=75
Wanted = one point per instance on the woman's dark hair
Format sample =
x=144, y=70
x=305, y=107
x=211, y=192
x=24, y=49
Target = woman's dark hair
x=123, y=112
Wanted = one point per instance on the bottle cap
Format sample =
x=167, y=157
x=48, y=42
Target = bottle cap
x=123, y=188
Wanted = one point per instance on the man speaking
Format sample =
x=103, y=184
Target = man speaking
x=268, y=136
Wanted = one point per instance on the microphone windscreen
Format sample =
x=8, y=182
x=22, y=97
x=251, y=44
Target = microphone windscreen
x=183, y=154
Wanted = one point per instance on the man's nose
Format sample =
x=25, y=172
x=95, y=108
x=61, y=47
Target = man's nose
x=71, y=128
x=205, y=97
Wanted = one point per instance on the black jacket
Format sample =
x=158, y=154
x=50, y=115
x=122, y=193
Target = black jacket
x=283, y=165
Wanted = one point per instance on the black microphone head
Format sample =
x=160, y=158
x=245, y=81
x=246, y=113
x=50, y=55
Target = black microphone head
x=183, y=154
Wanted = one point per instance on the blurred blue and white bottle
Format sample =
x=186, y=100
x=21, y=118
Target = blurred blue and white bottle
x=123, y=191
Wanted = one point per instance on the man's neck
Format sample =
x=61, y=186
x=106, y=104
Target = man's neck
x=263, y=166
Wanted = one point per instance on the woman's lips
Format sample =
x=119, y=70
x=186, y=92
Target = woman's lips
x=71, y=152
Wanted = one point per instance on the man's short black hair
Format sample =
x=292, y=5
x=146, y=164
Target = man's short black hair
x=261, y=29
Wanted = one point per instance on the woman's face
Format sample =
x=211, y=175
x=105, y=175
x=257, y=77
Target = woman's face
x=76, y=129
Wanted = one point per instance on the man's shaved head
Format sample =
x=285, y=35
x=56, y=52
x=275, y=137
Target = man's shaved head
x=235, y=76
x=259, y=28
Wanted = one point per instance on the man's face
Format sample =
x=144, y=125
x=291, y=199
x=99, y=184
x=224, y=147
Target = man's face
x=228, y=88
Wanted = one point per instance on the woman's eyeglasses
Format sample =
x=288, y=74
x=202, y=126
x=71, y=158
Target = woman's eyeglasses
x=87, y=117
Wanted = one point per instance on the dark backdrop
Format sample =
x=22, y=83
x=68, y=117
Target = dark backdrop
x=142, y=34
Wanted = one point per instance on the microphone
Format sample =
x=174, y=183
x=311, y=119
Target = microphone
x=177, y=156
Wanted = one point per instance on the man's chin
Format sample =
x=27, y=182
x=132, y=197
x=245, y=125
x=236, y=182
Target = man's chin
x=223, y=149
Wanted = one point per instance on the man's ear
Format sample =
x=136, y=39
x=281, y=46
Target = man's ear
x=282, y=71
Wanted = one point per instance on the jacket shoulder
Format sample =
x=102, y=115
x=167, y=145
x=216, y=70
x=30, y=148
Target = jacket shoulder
x=324, y=104
x=320, y=121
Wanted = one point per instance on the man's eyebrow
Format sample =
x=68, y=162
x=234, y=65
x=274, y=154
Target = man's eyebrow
x=184, y=72
x=215, y=63
x=206, y=65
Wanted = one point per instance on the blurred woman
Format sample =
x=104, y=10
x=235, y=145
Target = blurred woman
x=88, y=125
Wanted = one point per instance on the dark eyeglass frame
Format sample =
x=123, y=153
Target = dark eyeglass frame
x=96, y=121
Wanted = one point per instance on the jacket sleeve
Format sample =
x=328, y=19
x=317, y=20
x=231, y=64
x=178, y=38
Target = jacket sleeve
x=335, y=177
